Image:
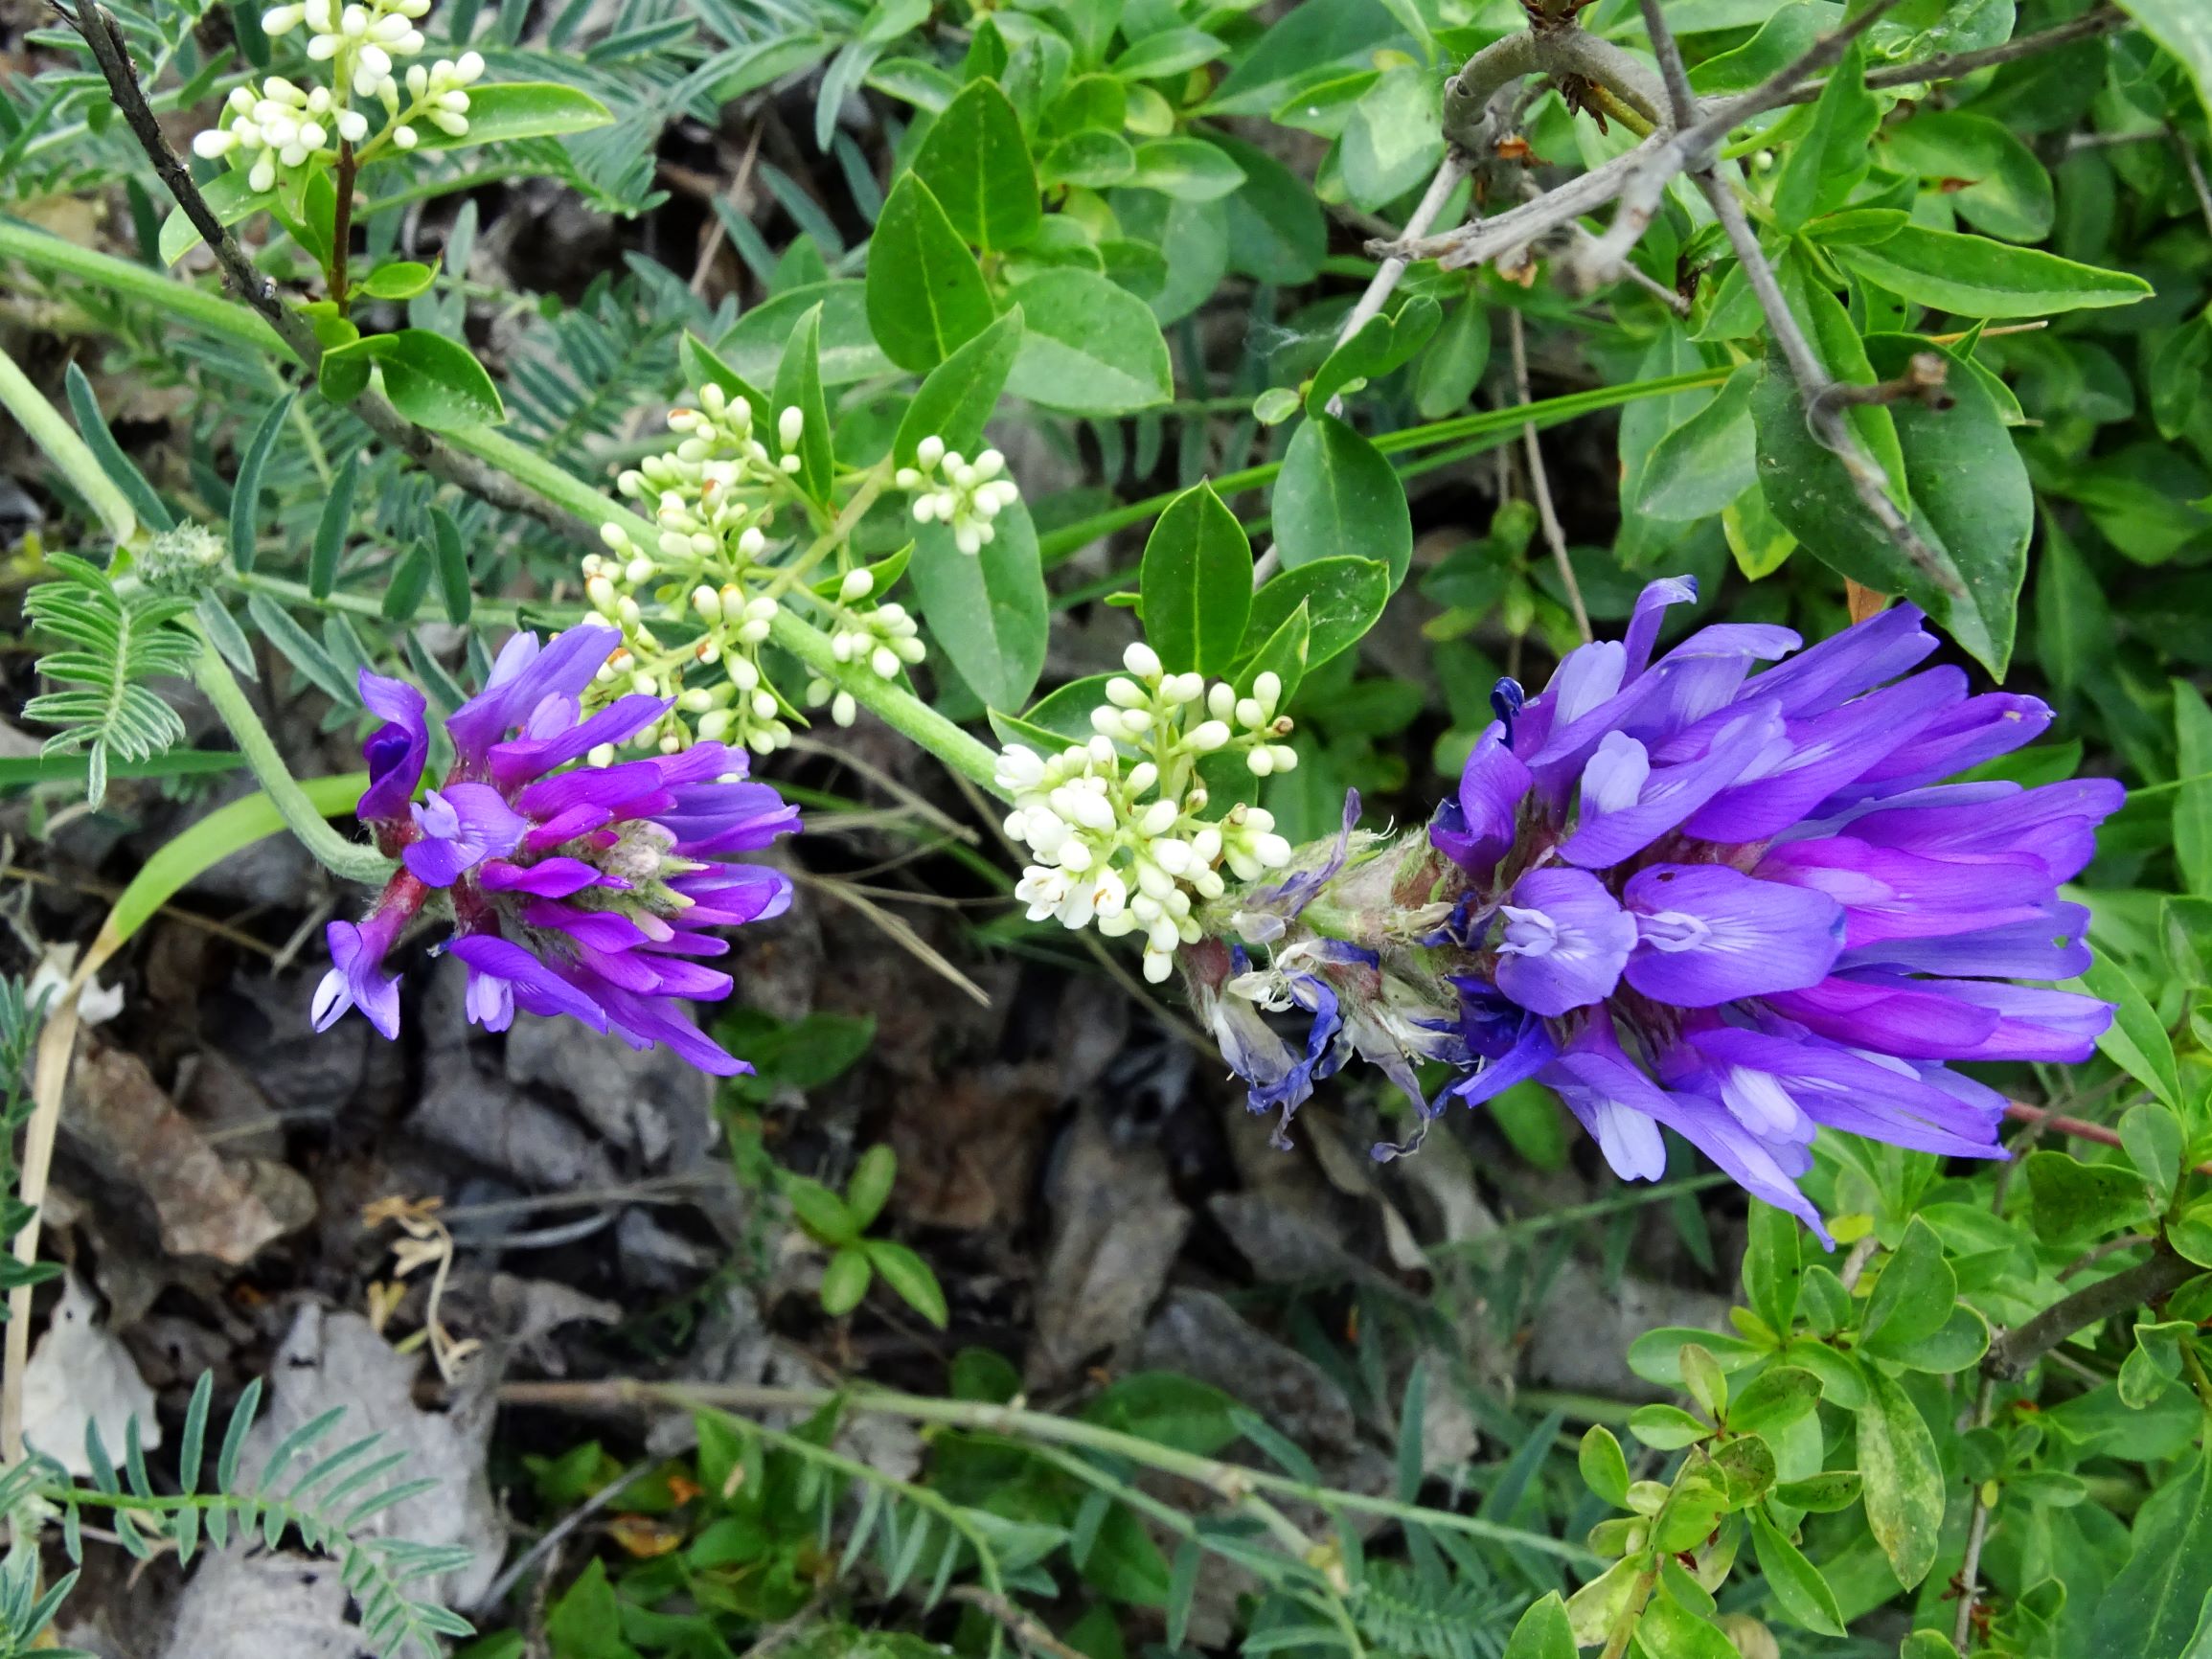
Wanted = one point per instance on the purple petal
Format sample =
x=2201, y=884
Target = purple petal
x=1625, y=806
x=642, y=1021
x=1845, y=665
x=395, y=751
x=1644, y=620
x=565, y=825
x=1890, y=895
x=548, y=878
x=1979, y=729
x=525, y=677
x=533, y=983
x=1859, y=1092
x=1822, y=755
x=2055, y=825
x=735, y=894
x=1708, y=934
x=358, y=953
x=1906, y=1017
x=1474, y=831
x=462, y=824
x=533, y=756
x=2032, y=1024
x=1566, y=942
x=1613, y=1100
x=2053, y=944
x=1531, y=1052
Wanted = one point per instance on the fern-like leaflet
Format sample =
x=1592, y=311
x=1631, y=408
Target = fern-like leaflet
x=327, y=1507
x=117, y=637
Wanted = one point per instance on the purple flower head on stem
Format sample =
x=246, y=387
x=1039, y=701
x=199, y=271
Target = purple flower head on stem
x=1721, y=893
x=1740, y=906
x=586, y=890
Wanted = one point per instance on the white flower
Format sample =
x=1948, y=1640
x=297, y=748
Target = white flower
x=965, y=499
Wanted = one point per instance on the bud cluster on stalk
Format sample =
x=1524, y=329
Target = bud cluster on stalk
x=1116, y=827
x=884, y=638
x=273, y=131
x=963, y=495
x=712, y=501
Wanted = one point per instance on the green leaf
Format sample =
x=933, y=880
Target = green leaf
x=247, y=491
x=434, y=381
x=1656, y=1355
x=1338, y=495
x=1188, y=169
x=1913, y=1295
x=1927, y=1645
x=1772, y=1265
x=1903, y=1480
x=121, y=471
x=1173, y=1410
x=1799, y=1590
x=2154, y=1364
x=1452, y=365
x=1701, y=465
x=977, y=165
x=1277, y=232
x=799, y=386
x=1090, y=347
x=2136, y=1040
x=1170, y=52
x=907, y=1274
x=1344, y=597
x=845, y=1280
x=503, y=112
x=1182, y=1590
x=2183, y=28
x=1666, y=1428
x=1824, y=165
x=331, y=528
x=956, y=401
x=989, y=610
x=1974, y=277
x=1542, y=1632
x=1391, y=140
x=1604, y=1466
x=397, y=280
x=1990, y=177
x=451, y=557
x=1091, y=159
x=1381, y=345
x=754, y=348
x=2153, y=1605
x=2193, y=802
x=1196, y=583
x=1282, y=653
x=2152, y=1138
x=184, y=858
x=926, y=294
x=819, y=1211
x=2078, y=1203
x=1821, y=1493
x=1772, y=1400
x=1670, y=1630
x=870, y=1187
x=1971, y=503
x=228, y=196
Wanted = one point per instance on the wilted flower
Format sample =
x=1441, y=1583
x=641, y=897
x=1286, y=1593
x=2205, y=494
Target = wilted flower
x=1742, y=905
x=585, y=890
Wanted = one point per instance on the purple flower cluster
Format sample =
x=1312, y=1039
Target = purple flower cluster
x=1742, y=905
x=586, y=890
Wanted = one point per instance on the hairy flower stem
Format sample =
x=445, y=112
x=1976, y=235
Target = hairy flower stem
x=46, y=428
x=345, y=859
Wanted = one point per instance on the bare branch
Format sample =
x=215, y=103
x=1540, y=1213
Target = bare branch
x=105, y=37
x=1379, y=288
x=1681, y=101
x=2012, y=1353
x=1817, y=388
x=1539, y=484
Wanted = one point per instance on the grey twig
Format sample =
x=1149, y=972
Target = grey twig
x=1951, y=65
x=1976, y=1532
x=2196, y=172
x=1539, y=482
x=1815, y=387
x=2012, y=1353
x=503, y=1585
x=105, y=37
x=1449, y=173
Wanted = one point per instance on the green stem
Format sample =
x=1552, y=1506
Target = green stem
x=51, y=433
x=182, y=302
x=1231, y=1481
x=347, y=860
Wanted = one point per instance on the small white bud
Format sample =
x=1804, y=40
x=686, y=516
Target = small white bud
x=790, y=424
x=929, y=452
x=1207, y=736
x=1142, y=660
x=858, y=584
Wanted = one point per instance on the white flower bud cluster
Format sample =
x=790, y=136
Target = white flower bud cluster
x=283, y=127
x=1121, y=844
x=963, y=495
x=360, y=42
x=279, y=128
x=884, y=636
